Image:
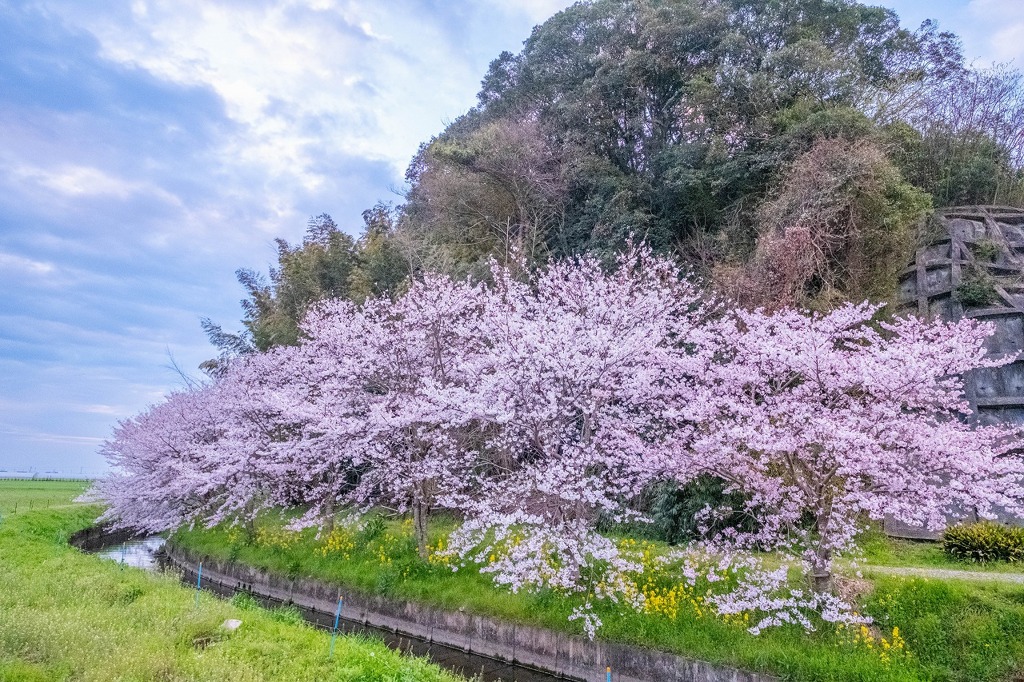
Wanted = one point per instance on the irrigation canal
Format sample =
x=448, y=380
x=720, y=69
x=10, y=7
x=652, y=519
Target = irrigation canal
x=147, y=553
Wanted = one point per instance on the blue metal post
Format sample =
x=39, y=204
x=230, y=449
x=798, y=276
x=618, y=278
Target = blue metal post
x=199, y=582
x=334, y=630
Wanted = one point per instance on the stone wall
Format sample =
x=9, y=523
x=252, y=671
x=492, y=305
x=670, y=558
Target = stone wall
x=94, y=538
x=980, y=244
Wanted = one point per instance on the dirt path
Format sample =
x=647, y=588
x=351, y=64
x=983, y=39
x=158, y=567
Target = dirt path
x=946, y=574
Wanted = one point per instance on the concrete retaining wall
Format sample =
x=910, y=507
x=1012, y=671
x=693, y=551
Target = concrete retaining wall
x=558, y=653
x=973, y=241
x=97, y=537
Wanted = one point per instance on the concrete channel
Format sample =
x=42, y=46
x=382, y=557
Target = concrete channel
x=477, y=647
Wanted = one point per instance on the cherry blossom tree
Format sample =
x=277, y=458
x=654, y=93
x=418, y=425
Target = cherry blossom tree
x=262, y=402
x=205, y=454
x=822, y=420
x=538, y=405
x=160, y=463
x=593, y=379
x=394, y=400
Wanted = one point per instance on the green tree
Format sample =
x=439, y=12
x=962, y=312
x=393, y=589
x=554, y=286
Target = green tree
x=319, y=268
x=497, y=190
x=382, y=262
x=670, y=119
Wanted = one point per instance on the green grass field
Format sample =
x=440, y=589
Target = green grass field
x=954, y=631
x=65, y=615
x=17, y=495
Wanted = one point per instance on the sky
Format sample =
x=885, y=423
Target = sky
x=151, y=148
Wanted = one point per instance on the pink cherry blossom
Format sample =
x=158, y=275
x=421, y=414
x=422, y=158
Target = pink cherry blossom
x=823, y=420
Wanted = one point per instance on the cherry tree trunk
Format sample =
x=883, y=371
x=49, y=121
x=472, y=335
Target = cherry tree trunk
x=420, y=511
x=821, y=571
x=329, y=516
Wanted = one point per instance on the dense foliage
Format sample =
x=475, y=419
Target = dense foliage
x=676, y=511
x=701, y=124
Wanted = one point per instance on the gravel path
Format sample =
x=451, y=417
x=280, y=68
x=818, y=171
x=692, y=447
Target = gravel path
x=946, y=574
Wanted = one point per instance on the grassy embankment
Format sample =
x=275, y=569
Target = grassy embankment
x=65, y=615
x=952, y=630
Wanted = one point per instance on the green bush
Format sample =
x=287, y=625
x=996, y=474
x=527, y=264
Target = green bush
x=984, y=542
x=374, y=528
x=976, y=290
x=987, y=249
x=676, y=510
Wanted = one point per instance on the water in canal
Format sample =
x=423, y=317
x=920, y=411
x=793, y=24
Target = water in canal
x=141, y=553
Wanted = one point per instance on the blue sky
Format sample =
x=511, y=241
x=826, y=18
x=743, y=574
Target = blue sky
x=152, y=148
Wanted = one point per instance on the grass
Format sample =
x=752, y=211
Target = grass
x=65, y=615
x=954, y=631
x=18, y=495
x=880, y=550
x=959, y=630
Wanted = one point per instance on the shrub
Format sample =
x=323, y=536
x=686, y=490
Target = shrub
x=677, y=509
x=987, y=249
x=840, y=225
x=976, y=290
x=373, y=529
x=984, y=542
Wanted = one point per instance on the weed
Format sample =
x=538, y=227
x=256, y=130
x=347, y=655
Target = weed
x=977, y=289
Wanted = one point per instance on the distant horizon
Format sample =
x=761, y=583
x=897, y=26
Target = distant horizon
x=51, y=475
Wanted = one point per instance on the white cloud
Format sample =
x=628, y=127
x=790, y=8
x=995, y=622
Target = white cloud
x=295, y=74
x=43, y=437
x=10, y=262
x=76, y=181
x=85, y=181
x=112, y=410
